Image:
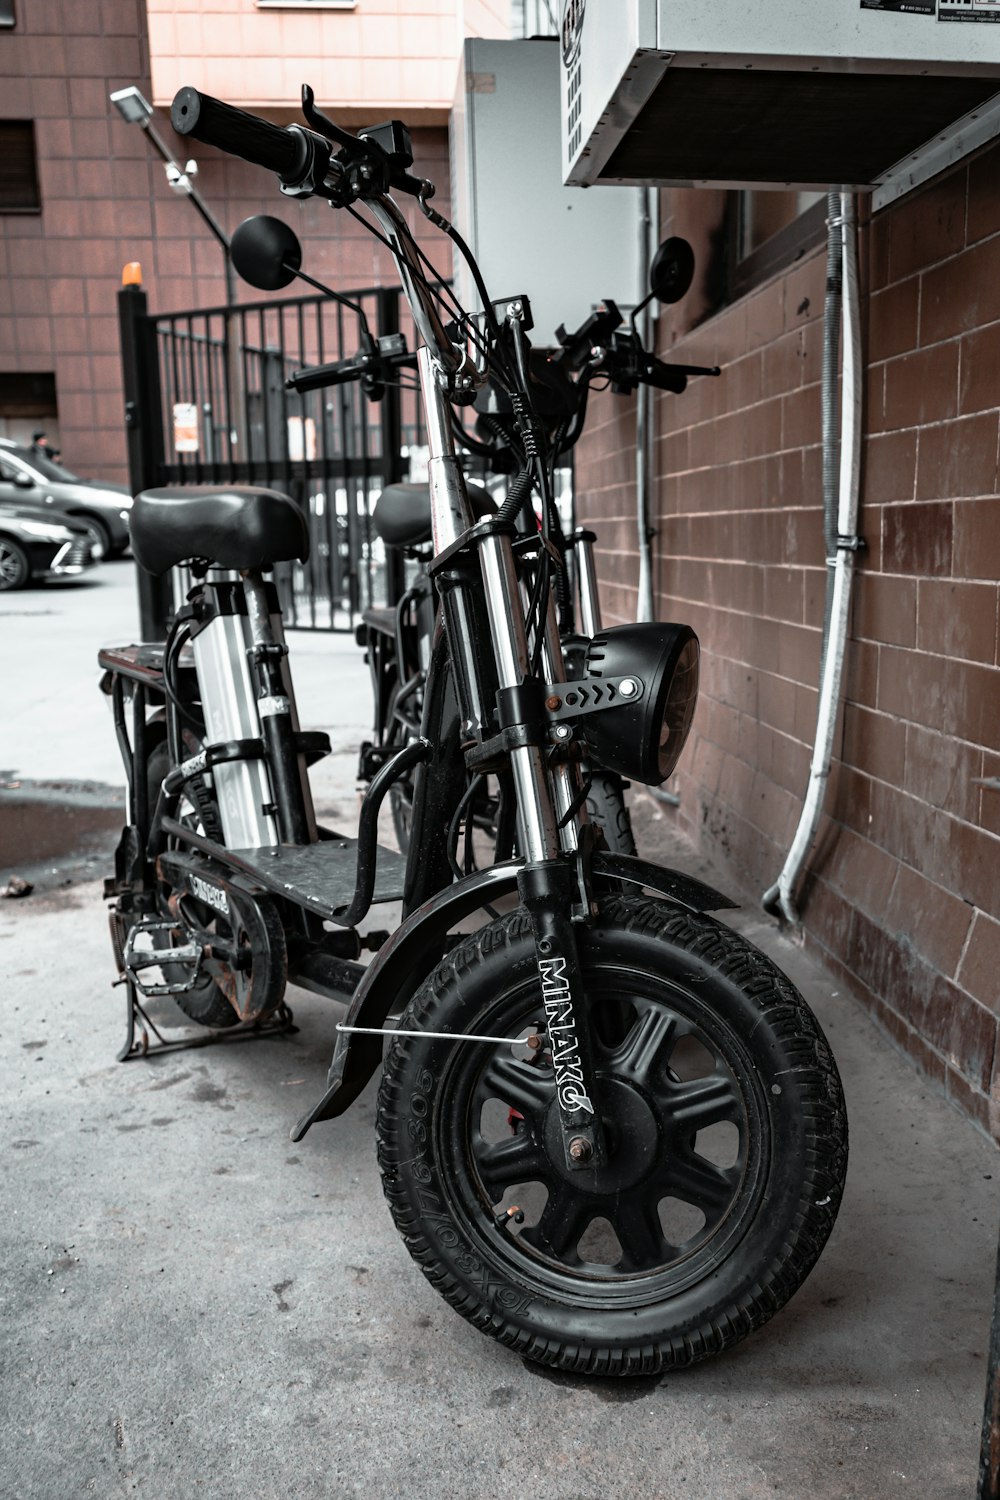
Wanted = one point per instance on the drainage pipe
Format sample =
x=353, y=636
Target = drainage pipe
x=645, y=607
x=648, y=230
x=842, y=546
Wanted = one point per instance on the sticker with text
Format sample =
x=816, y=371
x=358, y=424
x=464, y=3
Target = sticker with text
x=968, y=10
x=913, y=7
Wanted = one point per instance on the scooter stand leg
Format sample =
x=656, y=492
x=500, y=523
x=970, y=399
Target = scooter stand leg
x=139, y=1027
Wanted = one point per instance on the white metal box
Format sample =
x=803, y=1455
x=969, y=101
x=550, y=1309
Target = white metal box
x=806, y=93
x=566, y=249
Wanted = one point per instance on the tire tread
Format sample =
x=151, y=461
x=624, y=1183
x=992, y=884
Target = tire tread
x=784, y=1010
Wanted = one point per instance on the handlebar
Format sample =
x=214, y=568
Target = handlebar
x=628, y=365
x=374, y=364
x=365, y=168
x=288, y=150
x=302, y=158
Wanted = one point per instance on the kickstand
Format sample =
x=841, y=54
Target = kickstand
x=280, y=1022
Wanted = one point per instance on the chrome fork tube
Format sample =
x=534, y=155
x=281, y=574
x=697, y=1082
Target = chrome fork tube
x=451, y=513
x=590, y=602
x=536, y=820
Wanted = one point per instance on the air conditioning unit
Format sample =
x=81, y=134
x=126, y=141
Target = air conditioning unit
x=863, y=94
x=566, y=250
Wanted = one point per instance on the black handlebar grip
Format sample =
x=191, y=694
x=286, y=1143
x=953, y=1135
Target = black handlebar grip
x=316, y=377
x=664, y=377
x=274, y=147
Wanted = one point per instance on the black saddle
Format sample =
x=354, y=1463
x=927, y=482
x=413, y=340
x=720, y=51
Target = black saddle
x=240, y=528
x=402, y=514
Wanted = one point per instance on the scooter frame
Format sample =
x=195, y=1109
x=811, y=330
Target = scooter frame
x=476, y=579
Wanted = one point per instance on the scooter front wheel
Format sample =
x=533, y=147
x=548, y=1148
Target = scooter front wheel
x=723, y=1120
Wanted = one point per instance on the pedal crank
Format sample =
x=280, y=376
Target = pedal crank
x=136, y=960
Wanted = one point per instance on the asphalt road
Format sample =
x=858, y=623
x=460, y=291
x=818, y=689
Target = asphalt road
x=191, y=1305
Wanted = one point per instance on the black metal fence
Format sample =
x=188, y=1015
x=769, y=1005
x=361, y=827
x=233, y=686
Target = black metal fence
x=206, y=403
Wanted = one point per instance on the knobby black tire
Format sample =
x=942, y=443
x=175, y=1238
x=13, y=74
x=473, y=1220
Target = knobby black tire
x=606, y=806
x=799, y=1145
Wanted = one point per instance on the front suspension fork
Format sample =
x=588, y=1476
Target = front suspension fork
x=548, y=883
x=547, y=893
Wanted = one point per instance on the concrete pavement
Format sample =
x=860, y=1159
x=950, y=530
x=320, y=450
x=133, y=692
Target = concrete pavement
x=193, y=1306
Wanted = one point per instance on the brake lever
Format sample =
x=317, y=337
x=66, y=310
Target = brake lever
x=323, y=125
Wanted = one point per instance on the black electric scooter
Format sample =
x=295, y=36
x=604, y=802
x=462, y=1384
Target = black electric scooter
x=610, y=1131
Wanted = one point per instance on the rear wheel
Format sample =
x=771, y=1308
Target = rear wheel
x=403, y=724
x=206, y=1002
x=15, y=569
x=726, y=1144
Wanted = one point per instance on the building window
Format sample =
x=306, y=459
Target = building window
x=7, y=13
x=18, y=168
x=769, y=231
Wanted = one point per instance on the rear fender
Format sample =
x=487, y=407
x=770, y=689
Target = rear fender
x=405, y=961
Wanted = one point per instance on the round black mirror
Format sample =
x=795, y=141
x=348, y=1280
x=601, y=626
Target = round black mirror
x=266, y=253
x=672, y=270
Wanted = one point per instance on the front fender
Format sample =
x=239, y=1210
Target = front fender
x=404, y=962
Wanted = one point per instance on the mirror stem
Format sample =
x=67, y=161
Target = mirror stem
x=336, y=296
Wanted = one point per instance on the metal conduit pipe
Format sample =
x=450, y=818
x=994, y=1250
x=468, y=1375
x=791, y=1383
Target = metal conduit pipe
x=648, y=232
x=828, y=397
x=645, y=608
x=842, y=546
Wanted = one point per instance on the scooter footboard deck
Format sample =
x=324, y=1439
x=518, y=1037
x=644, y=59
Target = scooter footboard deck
x=320, y=877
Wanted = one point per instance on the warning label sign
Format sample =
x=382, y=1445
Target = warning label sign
x=918, y=7
x=968, y=10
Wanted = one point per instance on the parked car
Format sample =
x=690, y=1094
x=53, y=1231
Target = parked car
x=39, y=547
x=28, y=480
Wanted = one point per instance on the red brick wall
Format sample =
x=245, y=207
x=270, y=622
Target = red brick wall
x=105, y=201
x=903, y=895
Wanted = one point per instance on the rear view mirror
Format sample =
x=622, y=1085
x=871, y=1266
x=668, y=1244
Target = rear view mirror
x=24, y=481
x=672, y=270
x=266, y=253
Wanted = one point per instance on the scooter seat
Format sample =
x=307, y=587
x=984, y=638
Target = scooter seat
x=241, y=528
x=402, y=514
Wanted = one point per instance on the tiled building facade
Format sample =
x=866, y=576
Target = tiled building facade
x=105, y=200
x=902, y=898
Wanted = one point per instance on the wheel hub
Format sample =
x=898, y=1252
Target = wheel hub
x=632, y=1135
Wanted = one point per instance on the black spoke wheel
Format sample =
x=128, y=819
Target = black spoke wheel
x=222, y=995
x=723, y=1120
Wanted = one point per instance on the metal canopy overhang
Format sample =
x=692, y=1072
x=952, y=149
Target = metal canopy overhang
x=814, y=94
x=793, y=127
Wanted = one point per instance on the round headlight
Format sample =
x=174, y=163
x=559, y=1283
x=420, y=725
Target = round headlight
x=643, y=740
